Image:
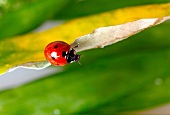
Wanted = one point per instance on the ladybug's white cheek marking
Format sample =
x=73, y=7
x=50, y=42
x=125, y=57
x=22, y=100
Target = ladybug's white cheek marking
x=65, y=55
x=54, y=55
x=72, y=61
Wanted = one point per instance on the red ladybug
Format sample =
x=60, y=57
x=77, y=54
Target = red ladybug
x=59, y=53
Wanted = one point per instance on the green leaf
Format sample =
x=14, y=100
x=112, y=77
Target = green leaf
x=7, y=6
x=154, y=53
x=28, y=16
x=17, y=50
x=87, y=7
x=104, y=76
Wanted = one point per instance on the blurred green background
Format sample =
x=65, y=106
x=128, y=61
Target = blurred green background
x=128, y=76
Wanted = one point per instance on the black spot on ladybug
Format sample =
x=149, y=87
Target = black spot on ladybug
x=56, y=46
x=63, y=54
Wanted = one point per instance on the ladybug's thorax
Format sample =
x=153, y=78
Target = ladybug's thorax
x=71, y=56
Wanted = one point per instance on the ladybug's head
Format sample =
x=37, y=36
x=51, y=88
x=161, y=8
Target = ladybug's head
x=72, y=56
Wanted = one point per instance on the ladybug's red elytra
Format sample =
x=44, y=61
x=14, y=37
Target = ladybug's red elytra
x=59, y=53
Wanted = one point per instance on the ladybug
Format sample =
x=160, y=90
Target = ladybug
x=59, y=53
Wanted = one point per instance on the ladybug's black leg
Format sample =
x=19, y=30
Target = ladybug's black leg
x=76, y=45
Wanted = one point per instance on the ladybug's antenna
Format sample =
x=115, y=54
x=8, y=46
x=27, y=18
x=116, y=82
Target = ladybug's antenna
x=79, y=59
x=79, y=62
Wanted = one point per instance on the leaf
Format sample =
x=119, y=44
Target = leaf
x=153, y=61
x=27, y=17
x=109, y=75
x=32, y=65
x=17, y=53
x=7, y=6
x=108, y=35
